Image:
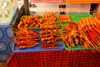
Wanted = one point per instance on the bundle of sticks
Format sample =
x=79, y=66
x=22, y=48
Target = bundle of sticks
x=49, y=36
x=26, y=38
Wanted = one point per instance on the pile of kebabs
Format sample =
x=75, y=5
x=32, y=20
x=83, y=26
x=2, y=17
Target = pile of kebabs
x=30, y=22
x=26, y=38
x=85, y=32
x=74, y=37
x=49, y=32
x=34, y=21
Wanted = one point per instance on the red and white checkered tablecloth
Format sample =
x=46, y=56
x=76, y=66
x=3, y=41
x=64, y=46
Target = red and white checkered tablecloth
x=55, y=59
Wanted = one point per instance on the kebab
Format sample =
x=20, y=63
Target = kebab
x=69, y=36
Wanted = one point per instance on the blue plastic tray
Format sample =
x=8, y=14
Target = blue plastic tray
x=37, y=48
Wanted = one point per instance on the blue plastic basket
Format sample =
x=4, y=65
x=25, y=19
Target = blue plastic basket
x=37, y=48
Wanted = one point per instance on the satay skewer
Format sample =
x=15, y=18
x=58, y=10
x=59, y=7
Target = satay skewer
x=83, y=28
x=76, y=43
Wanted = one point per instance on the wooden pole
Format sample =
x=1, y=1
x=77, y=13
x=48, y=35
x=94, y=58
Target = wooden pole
x=26, y=7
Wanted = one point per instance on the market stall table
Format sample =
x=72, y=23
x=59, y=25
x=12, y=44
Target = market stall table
x=55, y=59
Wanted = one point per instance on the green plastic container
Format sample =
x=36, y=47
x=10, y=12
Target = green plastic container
x=76, y=18
x=28, y=16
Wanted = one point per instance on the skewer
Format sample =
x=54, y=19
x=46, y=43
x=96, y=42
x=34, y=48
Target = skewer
x=70, y=44
x=92, y=49
x=96, y=41
x=97, y=37
x=83, y=49
x=72, y=49
x=87, y=25
x=91, y=44
x=78, y=44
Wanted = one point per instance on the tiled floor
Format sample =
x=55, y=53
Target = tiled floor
x=3, y=65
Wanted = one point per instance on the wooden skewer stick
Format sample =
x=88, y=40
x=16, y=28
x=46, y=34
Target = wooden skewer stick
x=97, y=42
x=94, y=45
x=85, y=27
x=72, y=49
x=92, y=49
x=83, y=49
x=48, y=34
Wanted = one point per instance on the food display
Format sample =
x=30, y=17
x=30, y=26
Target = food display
x=65, y=19
x=27, y=38
x=85, y=32
x=46, y=40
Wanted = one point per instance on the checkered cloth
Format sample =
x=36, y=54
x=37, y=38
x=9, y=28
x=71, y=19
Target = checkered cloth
x=55, y=59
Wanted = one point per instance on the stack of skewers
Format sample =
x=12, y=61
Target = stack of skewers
x=49, y=32
x=30, y=22
x=73, y=37
x=26, y=38
x=65, y=19
x=85, y=32
x=91, y=27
